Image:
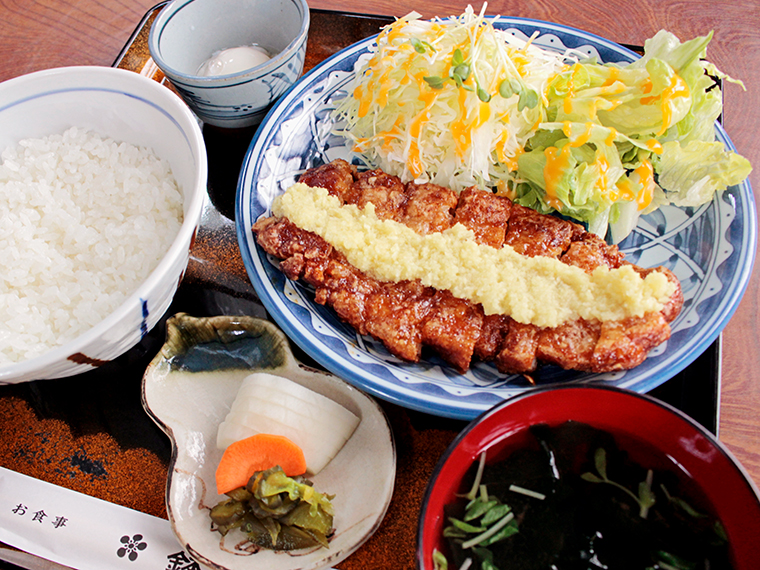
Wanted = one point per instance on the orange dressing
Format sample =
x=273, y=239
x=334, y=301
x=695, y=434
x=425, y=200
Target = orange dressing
x=610, y=140
x=385, y=85
x=581, y=139
x=613, y=89
x=646, y=175
x=385, y=137
x=462, y=129
x=557, y=163
x=366, y=96
x=459, y=128
x=503, y=189
x=484, y=113
x=598, y=101
x=614, y=75
x=603, y=183
x=390, y=135
x=654, y=145
x=405, y=67
x=365, y=100
x=501, y=152
x=677, y=88
x=568, y=103
x=414, y=162
x=624, y=190
x=519, y=59
x=393, y=32
x=360, y=144
x=501, y=142
x=646, y=87
x=511, y=162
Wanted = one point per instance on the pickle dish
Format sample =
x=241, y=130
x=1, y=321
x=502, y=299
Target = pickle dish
x=188, y=390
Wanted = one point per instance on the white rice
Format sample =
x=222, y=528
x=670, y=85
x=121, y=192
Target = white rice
x=83, y=221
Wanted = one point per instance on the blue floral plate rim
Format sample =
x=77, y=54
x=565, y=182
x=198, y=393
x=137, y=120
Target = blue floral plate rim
x=714, y=282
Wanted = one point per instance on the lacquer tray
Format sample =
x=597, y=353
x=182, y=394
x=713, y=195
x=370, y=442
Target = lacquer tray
x=92, y=428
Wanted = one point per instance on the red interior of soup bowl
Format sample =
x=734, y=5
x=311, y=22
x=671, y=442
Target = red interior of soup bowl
x=691, y=447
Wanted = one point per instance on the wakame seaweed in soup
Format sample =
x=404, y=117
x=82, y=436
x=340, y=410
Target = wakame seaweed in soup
x=573, y=498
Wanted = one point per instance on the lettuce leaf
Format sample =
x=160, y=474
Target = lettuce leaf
x=661, y=109
x=691, y=174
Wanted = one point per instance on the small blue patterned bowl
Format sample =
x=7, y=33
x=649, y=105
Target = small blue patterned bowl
x=188, y=32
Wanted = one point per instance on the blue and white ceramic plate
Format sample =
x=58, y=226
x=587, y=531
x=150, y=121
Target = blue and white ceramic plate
x=710, y=249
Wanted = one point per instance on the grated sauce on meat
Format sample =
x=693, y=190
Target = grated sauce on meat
x=536, y=290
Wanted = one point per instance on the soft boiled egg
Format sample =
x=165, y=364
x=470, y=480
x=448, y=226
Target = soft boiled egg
x=233, y=60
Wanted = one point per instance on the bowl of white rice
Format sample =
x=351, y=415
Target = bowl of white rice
x=102, y=185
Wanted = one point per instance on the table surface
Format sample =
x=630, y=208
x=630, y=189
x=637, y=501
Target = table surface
x=41, y=35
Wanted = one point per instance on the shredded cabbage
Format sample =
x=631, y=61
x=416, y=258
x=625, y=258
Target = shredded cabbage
x=459, y=103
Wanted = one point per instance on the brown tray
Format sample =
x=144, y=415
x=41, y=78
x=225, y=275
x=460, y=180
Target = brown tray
x=90, y=433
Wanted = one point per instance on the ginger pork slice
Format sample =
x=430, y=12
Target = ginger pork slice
x=409, y=318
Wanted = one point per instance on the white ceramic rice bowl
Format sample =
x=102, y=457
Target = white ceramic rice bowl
x=126, y=107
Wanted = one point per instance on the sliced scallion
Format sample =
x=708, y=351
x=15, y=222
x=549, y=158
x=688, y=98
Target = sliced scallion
x=439, y=560
x=478, y=476
x=527, y=492
x=494, y=514
x=489, y=533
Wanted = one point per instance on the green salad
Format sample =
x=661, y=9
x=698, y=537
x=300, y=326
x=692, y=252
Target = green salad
x=460, y=103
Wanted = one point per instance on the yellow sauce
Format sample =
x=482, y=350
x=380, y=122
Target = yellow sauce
x=504, y=158
x=624, y=189
x=604, y=183
x=539, y=290
x=654, y=145
x=614, y=76
x=580, y=140
x=677, y=88
x=646, y=176
x=610, y=140
x=568, y=102
x=557, y=162
x=503, y=189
